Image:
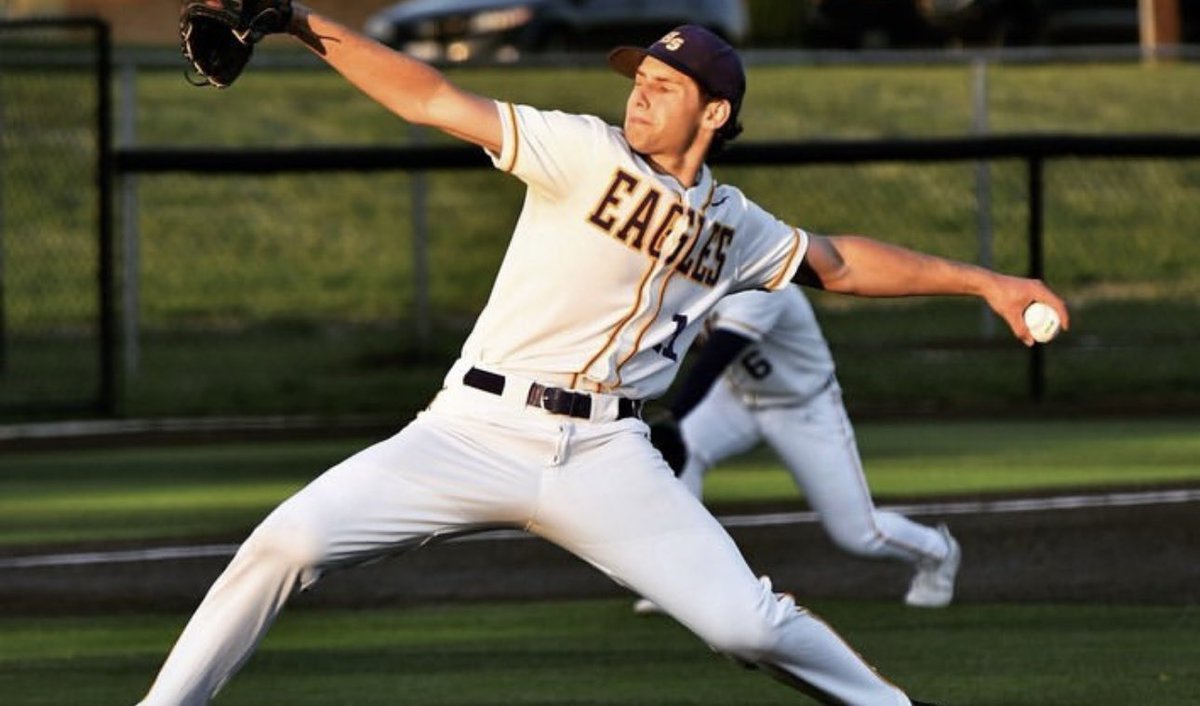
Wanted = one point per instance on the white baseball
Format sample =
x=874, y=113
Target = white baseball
x=1042, y=321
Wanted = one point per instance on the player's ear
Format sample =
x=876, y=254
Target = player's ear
x=716, y=113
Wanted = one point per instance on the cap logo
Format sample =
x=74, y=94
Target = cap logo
x=672, y=41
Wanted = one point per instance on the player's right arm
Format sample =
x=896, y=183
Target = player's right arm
x=853, y=264
x=415, y=91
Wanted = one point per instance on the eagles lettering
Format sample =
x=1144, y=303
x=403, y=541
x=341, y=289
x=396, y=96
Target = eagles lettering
x=650, y=221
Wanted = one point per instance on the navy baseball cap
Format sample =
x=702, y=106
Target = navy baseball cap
x=697, y=52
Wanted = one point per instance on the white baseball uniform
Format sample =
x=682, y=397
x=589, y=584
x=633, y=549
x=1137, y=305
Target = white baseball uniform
x=782, y=389
x=611, y=271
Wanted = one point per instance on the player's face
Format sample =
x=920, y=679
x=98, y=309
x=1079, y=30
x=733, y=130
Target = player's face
x=664, y=110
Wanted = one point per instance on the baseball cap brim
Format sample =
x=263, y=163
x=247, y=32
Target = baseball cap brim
x=626, y=60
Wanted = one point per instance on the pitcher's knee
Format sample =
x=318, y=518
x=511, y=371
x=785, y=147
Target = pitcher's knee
x=745, y=642
x=295, y=547
x=751, y=626
x=750, y=632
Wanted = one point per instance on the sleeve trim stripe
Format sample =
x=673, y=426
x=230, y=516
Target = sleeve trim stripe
x=516, y=144
x=793, y=261
x=738, y=325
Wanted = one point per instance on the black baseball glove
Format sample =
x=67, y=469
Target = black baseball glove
x=218, y=36
x=665, y=435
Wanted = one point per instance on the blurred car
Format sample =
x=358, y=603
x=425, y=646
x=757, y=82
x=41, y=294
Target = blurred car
x=504, y=30
x=1057, y=22
x=871, y=24
x=1044, y=22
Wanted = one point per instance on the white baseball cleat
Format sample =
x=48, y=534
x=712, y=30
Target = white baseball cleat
x=645, y=606
x=933, y=585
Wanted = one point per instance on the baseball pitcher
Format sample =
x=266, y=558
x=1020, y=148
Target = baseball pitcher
x=624, y=243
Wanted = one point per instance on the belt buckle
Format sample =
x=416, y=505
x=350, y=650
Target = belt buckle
x=544, y=397
x=536, y=397
x=559, y=401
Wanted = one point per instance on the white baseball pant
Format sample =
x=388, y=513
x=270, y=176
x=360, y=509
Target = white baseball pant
x=475, y=461
x=815, y=440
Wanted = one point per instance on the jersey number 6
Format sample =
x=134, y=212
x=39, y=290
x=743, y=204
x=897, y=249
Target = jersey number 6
x=758, y=366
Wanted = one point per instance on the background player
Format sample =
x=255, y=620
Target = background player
x=623, y=245
x=765, y=373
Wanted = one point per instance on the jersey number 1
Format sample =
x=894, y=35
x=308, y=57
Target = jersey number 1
x=667, y=350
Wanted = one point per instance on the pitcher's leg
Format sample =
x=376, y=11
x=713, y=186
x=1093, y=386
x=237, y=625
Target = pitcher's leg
x=625, y=513
x=747, y=620
x=400, y=492
x=817, y=443
x=231, y=620
x=717, y=428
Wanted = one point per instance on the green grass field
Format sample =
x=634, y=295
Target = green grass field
x=296, y=298
x=297, y=295
x=596, y=653
x=323, y=230
x=224, y=489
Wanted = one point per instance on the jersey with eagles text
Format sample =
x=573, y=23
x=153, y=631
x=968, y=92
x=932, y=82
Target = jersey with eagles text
x=613, y=266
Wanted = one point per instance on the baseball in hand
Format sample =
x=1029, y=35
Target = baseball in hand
x=1042, y=321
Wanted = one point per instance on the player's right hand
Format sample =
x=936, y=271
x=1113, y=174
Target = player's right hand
x=1009, y=296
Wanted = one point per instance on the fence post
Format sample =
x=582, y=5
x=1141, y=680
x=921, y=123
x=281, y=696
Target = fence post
x=107, y=272
x=1037, y=364
x=3, y=267
x=983, y=185
x=420, y=246
x=1158, y=25
x=131, y=266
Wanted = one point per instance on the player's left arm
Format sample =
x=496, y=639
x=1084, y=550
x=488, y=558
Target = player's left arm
x=413, y=90
x=722, y=348
x=852, y=264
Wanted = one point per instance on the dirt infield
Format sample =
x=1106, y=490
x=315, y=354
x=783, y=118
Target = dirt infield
x=1136, y=554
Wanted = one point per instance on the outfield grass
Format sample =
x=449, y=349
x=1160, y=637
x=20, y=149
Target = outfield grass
x=226, y=489
x=325, y=257
x=950, y=457
x=297, y=294
x=596, y=653
x=309, y=246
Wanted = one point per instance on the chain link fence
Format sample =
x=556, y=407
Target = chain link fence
x=1117, y=241
x=51, y=348
x=313, y=281
x=339, y=293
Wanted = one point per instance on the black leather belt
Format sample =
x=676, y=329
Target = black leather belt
x=551, y=399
